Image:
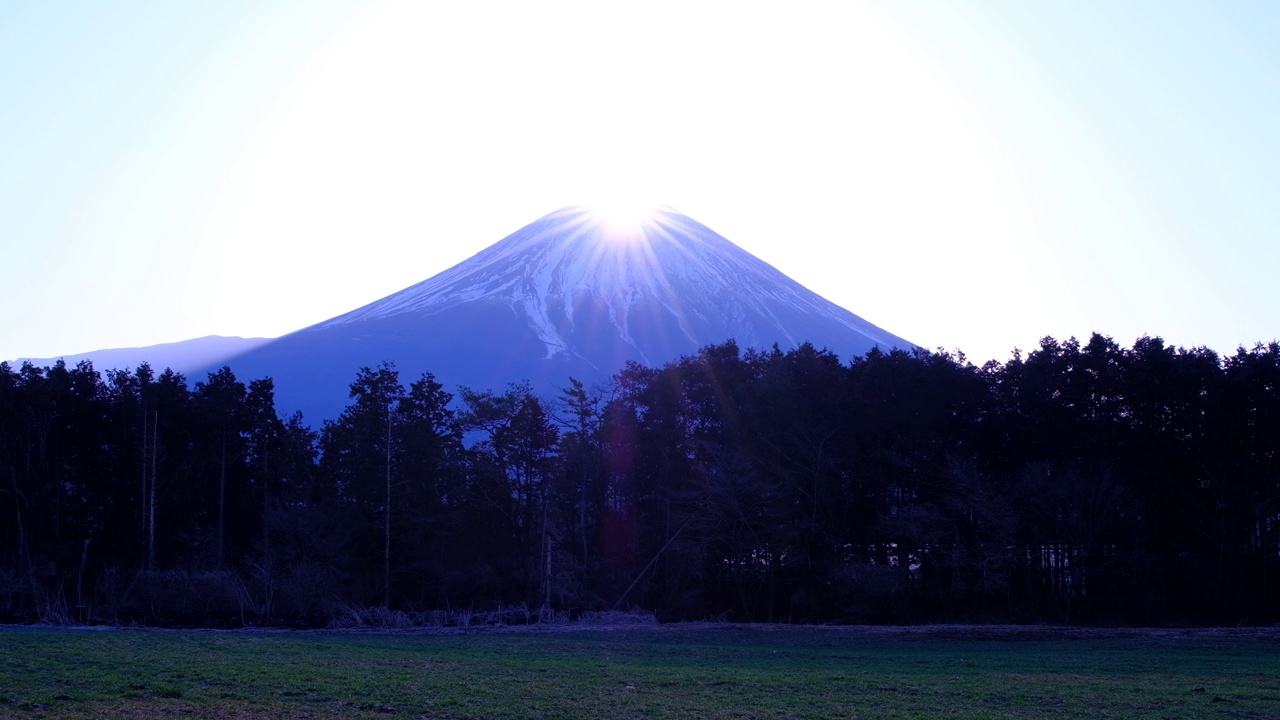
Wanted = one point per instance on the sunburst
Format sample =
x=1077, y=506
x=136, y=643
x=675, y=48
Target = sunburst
x=621, y=219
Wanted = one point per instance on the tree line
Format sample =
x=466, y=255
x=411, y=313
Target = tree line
x=1080, y=483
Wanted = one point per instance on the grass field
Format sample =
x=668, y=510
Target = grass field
x=659, y=672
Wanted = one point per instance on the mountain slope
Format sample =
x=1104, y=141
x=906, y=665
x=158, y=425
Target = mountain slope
x=186, y=356
x=569, y=294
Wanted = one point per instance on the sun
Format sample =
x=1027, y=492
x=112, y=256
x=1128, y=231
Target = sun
x=623, y=218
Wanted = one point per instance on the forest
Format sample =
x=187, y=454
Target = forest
x=1086, y=484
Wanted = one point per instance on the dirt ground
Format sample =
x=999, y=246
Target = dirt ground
x=955, y=632
x=948, y=632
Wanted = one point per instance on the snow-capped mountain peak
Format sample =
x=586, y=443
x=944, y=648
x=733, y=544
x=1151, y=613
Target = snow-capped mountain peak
x=574, y=273
x=574, y=294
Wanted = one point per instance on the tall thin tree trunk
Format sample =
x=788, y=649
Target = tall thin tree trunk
x=582, y=511
x=84, y=560
x=24, y=547
x=222, y=499
x=267, y=567
x=546, y=551
x=386, y=538
x=151, y=513
x=266, y=509
x=145, y=468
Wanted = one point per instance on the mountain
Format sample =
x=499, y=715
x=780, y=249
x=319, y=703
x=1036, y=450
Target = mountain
x=571, y=294
x=187, y=356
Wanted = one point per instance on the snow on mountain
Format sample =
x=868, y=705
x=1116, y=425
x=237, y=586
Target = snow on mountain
x=571, y=294
x=559, y=270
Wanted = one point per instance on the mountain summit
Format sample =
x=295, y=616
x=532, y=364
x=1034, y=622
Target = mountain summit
x=571, y=294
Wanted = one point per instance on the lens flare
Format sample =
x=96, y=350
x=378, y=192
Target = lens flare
x=623, y=219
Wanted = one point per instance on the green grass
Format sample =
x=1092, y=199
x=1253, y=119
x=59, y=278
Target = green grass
x=664, y=672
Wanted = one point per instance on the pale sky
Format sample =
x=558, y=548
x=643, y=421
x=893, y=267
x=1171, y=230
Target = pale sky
x=967, y=175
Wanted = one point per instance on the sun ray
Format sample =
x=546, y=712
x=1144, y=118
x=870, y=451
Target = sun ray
x=622, y=219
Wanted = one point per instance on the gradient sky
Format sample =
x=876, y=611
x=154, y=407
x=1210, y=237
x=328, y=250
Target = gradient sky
x=967, y=175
